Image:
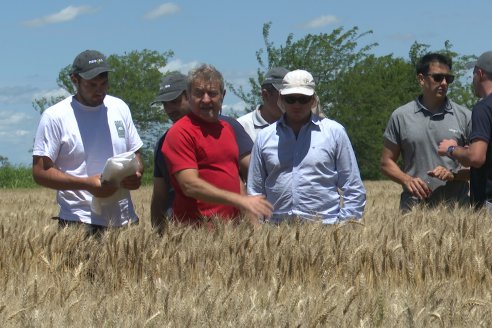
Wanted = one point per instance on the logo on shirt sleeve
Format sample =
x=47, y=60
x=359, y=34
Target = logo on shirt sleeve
x=120, y=128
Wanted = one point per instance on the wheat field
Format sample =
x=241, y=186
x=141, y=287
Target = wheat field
x=428, y=268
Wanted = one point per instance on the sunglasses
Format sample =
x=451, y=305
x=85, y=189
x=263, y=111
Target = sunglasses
x=301, y=100
x=438, y=77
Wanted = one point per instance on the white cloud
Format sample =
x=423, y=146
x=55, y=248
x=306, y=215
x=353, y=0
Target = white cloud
x=163, y=10
x=178, y=65
x=321, y=21
x=64, y=15
x=21, y=133
x=53, y=93
x=10, y=118
x=16, y=135
x=234, y=110
x=16, y=94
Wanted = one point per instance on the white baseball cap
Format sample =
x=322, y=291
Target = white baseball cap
x=298, y=82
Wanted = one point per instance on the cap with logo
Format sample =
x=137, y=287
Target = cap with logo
x=274, y=76
x=172, y=85
x=89, y=64
x=298, y=81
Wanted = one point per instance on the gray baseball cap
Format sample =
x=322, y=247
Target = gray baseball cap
x=274, y=76
x=89, y=64
x=484, y=62
x=172, y=85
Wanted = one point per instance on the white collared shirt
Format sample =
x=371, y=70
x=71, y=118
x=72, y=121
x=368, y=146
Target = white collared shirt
x=253, y=122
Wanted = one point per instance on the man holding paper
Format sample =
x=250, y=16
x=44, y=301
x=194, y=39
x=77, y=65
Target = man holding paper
x=74, y=140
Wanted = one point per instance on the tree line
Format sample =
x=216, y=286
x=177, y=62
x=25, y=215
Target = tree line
x=356, y=88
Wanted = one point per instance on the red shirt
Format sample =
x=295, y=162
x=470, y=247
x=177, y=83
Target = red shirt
x=211, y=148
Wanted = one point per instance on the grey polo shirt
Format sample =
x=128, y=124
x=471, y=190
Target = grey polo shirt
x=418, y=132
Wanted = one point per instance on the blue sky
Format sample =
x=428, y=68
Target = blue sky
x=40, y=37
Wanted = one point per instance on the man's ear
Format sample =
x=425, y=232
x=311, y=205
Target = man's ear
x=264, y=93
x=480, y=73
x=420, y=79
x=74, y=79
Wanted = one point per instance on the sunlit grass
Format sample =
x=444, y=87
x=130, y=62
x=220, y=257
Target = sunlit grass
x=428, y=268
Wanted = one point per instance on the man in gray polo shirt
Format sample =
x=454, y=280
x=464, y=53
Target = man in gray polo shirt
x=268, y=112
x=415, y=130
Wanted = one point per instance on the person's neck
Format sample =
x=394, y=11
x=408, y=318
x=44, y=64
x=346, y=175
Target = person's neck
x=85, y=106
x=296, y=126
x=201, y=119
x=269, y=115
x=487, y=90
x=433, y=105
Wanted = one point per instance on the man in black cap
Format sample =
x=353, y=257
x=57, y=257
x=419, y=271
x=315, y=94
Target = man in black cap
x=173, y=96
x=76, y=137
x=478, y=155
x=268, y=112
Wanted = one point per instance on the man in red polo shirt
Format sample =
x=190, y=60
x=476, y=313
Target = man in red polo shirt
x=203, y=158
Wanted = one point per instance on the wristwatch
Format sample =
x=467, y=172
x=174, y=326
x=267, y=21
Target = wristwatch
x=450, y=151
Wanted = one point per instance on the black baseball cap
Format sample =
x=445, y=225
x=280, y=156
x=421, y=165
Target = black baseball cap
x=172, y=85
x=275, y=76
x=89, y=64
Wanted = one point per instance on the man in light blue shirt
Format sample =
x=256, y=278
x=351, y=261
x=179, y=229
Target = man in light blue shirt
x=304, y=164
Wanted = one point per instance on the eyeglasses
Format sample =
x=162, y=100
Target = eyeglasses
x=301, y=100
x=438, y=77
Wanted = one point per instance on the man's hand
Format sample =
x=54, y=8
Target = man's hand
x=442, y=150
x=441, y=173
x=132, y=182
x=256, y=206
x=100, y=188
x=417, y=188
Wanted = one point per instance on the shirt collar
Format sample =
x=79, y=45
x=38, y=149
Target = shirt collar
x=316, y=120
x=447, y=107
x=258, y=120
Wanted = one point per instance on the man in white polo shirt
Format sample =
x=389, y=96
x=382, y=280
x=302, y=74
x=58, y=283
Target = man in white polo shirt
x=268, y=112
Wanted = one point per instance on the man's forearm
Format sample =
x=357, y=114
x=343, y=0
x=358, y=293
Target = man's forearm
x=55, y=179
x=195, y=187
x=206, y=192
x=461, y=155
x=393, y=171
x=141, y=164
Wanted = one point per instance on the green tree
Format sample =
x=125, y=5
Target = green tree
x=365, y=97
x=325, y=56
x=4, y=161
x=356, y=88
x=135, y=78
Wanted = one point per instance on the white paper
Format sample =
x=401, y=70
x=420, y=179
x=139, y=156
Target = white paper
x=116, y=169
